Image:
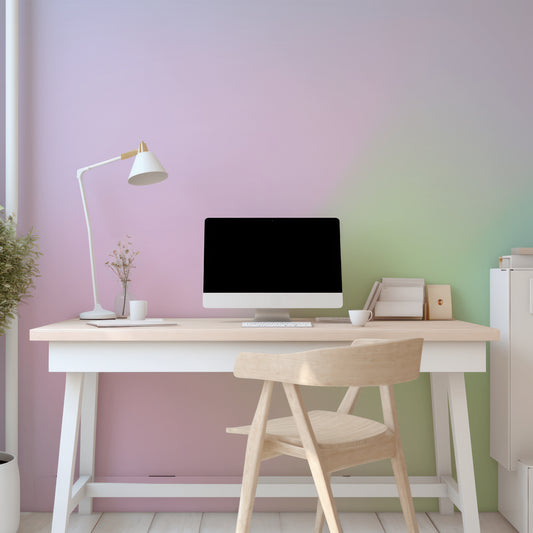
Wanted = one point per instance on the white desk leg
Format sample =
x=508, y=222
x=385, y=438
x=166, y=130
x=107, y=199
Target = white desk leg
x=441, y=430
x=89, y=403
x=67, y=451
x=463, y=451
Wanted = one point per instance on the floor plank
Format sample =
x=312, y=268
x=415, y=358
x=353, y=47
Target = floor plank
x=495, y=523
x=489, y=523
x=35, y=523
x=176, y=523
x=296, y=522
x=350, y=522
x=265, y=523
x=447, y=523
x=395, y=523
x=124, y=523
x=226, y=522
x=83, y=523
x=360, y=523
x=218, y=523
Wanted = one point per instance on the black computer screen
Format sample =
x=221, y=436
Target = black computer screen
x=278, y=255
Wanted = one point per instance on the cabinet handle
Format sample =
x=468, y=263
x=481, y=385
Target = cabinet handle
x=531, y=295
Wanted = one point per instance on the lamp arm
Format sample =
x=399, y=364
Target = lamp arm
x=142, y=148
x=80, y=173
x=89, y=233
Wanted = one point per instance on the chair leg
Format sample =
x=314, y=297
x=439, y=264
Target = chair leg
x=404, y=490
x=249, y=485
x=320, y=476
x=325, y=497
x=319, y=518
x=252, y=459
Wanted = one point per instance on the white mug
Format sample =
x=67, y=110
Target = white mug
x=138, y=309
x=359, y=317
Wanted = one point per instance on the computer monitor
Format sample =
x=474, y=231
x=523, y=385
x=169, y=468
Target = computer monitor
x=272, y=265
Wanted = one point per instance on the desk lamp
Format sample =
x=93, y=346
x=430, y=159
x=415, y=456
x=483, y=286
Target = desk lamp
x=146, y=170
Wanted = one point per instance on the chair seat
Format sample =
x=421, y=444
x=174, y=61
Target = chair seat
x=331, y=429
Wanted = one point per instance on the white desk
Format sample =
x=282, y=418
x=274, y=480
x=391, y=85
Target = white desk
x=211, y=345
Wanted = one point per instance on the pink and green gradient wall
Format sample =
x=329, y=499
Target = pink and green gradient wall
x=411, y=121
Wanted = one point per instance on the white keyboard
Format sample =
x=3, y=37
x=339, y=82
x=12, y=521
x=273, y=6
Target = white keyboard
x=277, y=324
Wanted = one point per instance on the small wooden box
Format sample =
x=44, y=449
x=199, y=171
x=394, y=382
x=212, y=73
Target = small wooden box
x=439, y=301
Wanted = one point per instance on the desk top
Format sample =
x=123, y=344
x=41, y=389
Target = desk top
x=230, y=330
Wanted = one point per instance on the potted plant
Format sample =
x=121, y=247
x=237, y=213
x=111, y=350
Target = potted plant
x=18, y=268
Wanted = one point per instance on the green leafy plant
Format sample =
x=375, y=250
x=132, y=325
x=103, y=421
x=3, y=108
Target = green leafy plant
x=18, y=268
x=122, y=263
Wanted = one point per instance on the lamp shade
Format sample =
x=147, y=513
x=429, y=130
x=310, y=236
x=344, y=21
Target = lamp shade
x=146, y=170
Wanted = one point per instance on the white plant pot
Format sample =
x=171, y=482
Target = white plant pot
x=9, y=493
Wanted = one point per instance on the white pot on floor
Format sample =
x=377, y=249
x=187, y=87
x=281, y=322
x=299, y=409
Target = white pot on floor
x=9, y=493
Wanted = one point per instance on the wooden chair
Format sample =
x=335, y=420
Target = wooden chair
x=328, y=440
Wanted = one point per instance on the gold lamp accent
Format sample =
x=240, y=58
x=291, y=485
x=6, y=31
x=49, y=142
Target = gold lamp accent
x=131, y=153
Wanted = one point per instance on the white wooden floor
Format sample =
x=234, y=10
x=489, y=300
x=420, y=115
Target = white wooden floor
x=261, y=523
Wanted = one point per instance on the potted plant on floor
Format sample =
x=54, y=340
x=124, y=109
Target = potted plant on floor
x=18, y=268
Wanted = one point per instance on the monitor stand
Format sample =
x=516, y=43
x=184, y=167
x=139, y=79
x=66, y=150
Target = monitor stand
x=272, y=315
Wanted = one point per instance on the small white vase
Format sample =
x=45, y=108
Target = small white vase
x=9, y=493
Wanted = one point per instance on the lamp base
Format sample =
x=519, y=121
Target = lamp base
x=98, y=313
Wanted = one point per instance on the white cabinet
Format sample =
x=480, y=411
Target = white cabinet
x=511, y=391
x=515, y=495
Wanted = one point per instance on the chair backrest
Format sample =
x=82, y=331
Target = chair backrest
x=366, y=362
